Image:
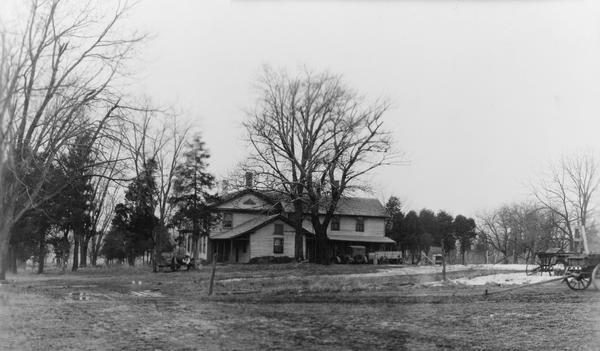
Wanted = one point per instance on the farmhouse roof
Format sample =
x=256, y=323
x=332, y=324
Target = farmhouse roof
x=360, y=206
x=347, y=206
x=351, y=236
x=230, y=196
x=251, y=226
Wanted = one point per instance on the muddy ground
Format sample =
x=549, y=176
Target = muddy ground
x=289, y=307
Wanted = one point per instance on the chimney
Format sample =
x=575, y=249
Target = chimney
x=249, y=180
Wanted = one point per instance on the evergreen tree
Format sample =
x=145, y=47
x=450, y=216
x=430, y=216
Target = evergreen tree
x=411, y=230
x=464, y=229
x=395, y=217
x=141, y=205
x=76, y=201
x=190, y=193
x=445, y=234
x=135, y=221
x=430, y=229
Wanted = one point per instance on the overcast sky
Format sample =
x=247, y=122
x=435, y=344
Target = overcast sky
x=485, y=93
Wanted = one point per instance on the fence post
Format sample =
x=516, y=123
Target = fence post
x=212, y=274
x=443, y=262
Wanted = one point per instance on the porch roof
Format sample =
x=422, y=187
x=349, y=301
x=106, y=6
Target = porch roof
x=360, y=238
x=252, y=225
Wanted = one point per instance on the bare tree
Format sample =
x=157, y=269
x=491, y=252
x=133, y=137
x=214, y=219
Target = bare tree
x=154, y=134
x=313, y=139
x=56, y=82
x=568, y=191
x=519, y=230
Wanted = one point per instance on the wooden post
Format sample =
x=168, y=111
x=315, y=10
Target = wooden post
x=212, y=274
x=443, y=262
x=585, y=243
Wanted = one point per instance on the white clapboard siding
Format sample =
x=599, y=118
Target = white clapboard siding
x=261, y=242
x=374, y=226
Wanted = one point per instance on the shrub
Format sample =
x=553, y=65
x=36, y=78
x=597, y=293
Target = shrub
x=270, y=259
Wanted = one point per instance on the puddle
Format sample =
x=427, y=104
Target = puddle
x=79, y=296
x=4, y=300
x=147, y=293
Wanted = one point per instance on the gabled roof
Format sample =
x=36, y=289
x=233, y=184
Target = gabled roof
x=230, y=196
x=347, y=206
x=253, y=225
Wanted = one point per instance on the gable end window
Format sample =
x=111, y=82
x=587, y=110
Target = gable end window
x=278, y=229
x=249, y=202
x=360, y=224
x=335, y=223
x=278, y=245
x=227, y=220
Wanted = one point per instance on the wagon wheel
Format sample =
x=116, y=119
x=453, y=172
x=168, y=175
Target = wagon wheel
x=579, y=282
x=533, y=268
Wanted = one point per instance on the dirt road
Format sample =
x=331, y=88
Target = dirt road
x=316, y=310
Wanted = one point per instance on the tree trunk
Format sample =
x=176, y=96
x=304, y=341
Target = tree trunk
x=322, y=248
x=76, y=240
x=196, y=249
x=84, y=251
x=42, y=252
x=3, y=259
x=12, y=257
x=5, y=226
x=155, y=248
x=94, y=255
x=299, y=249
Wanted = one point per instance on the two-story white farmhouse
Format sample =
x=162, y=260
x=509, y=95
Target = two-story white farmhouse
x=254, y=224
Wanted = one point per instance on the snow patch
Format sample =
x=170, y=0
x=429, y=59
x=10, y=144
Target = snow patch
x=503, y=279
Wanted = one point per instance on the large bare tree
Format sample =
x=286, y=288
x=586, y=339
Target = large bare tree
x=567, y=191
x=313, y=139
x=57, y=74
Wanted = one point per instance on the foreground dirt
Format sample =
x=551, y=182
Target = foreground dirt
x=288, y=308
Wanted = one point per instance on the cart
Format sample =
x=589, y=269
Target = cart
x=582, y=270
x=552, y=261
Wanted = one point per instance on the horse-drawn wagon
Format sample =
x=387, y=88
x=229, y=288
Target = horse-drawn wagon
x=578, y=270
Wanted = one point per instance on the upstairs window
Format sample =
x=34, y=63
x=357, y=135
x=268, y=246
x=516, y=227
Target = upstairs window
x=227, y=220
x=278, y=245
x=360, y=224
x=335, y=223
x=278, y=229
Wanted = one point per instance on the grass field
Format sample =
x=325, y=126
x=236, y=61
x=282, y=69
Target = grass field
x=290, y=307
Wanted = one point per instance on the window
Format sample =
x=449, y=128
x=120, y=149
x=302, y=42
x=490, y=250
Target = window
x=278, y=230
x=335, y=223
x=278, y=245
x=360, y=224
x=249, y=202
x=227, y=220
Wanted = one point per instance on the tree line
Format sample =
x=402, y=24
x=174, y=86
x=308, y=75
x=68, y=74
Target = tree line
x=85, y=169
x=415, y=233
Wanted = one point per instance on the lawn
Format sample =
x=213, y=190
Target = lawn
x=290, y=307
